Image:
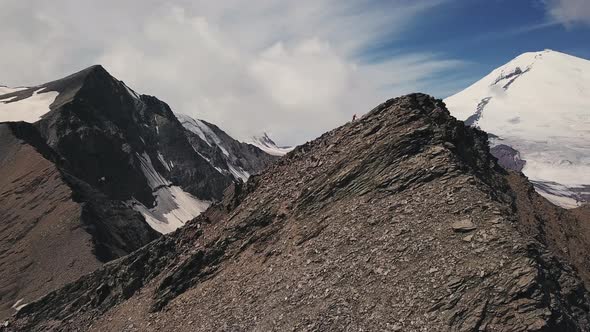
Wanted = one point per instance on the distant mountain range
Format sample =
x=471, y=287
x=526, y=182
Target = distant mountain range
x=536, y=109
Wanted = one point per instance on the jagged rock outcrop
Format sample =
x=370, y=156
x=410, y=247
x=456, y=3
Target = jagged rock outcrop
x=95, y=174
x=399, y=221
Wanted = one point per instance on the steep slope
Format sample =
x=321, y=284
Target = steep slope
x=49, y=237
x=399, y=221
x=266, y=144
x=538, y=105
x=567, y=232
x=26, y=219
x=95, y=172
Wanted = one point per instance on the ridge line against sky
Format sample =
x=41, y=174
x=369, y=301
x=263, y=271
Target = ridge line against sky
x=292, y=68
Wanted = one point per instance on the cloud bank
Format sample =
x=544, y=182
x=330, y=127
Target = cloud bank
x=291, y=68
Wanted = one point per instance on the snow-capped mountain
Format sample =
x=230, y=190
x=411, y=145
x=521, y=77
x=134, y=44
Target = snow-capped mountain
x=114, y=141
x=266, y=144
x=92, y=170
x=229, y=156
x=538, y=104
x=132, y=147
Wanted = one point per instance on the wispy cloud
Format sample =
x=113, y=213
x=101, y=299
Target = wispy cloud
x=532, y=27
x=289, y=67
x=569, y=12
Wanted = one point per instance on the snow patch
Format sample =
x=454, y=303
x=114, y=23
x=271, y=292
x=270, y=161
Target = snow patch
x=29, y=109
x=6, y=90
x=18, y=305
x=163, y=162
x=173, y=206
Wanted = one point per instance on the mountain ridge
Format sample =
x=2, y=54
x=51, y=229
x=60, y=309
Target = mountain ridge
x=401, y=220
x=125, y=167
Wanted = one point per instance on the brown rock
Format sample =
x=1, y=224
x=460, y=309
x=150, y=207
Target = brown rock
x=463, y=226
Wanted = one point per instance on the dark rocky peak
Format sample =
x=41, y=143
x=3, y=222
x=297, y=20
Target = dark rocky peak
x=399, y=221
x=70, y=85
x=121, y=166
x=106, y=131
x=96, y=88
x=67, y=87
x=129, y=146
x=97, y=96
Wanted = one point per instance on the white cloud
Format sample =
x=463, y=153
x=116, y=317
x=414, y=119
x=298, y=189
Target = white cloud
x=288, y=67
x=287, y=74
x=569, y=12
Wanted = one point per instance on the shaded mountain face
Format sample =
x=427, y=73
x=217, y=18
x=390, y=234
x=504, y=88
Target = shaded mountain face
x=55, y=227
x=132, y=147
x=97, y=170
x=537, y=104
x=40, y=221
x=229, y=156
x=399, y=221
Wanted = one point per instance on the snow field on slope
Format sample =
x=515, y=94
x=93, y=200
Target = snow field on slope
x=174, y=207
x=29, y=110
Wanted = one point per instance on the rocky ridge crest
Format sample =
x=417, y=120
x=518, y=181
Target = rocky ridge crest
x=399, y=221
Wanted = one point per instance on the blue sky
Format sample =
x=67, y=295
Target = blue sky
x=293, y=68
x=486, y=34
